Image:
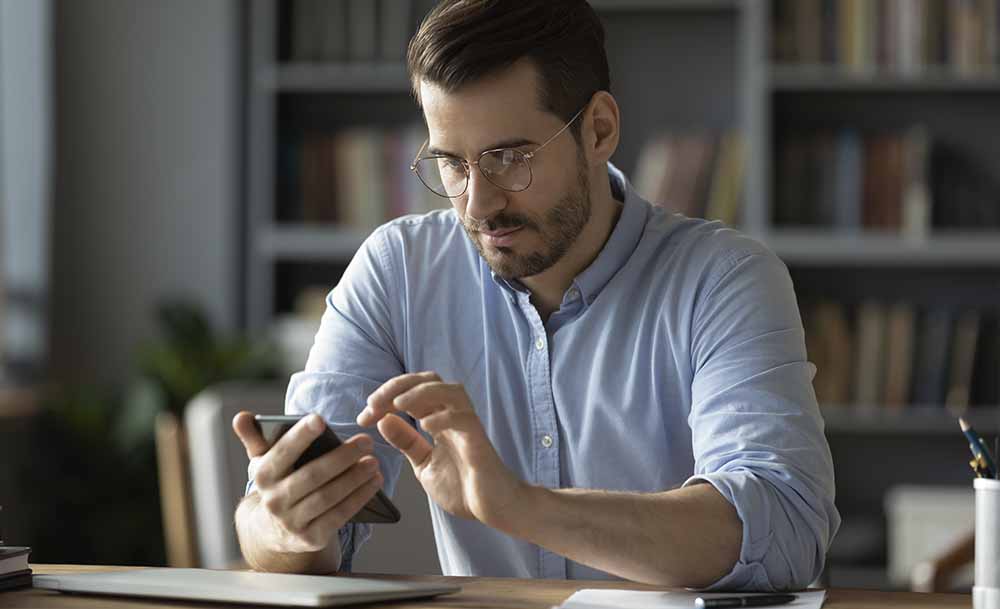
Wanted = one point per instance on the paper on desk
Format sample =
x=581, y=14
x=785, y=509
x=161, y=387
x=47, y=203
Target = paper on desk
x=634, y=599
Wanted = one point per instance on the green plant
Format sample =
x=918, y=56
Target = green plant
x=94, y=496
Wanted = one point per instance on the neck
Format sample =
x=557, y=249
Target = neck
x=547, y=288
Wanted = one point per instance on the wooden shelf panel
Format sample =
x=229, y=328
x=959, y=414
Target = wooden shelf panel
x=805, y=78
x=611, y=6
x=310, y=243
x=937, y=420
x=821, y=247
x=335, y=78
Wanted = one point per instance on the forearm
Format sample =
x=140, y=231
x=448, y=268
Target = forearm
x=252, y=531
x=685, y=537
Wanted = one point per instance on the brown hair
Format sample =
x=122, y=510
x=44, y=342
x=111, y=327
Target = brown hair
x=461, y=41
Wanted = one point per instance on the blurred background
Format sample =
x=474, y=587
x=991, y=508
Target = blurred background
x=182, y=182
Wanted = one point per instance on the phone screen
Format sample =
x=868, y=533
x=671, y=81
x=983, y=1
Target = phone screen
x=272, y=427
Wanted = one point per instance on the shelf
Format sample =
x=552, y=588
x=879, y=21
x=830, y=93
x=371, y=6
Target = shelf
x=313, y=243
x=335, y=78
x=824, y=247
x=613, y=6
x=795, y=78
x=931, y=420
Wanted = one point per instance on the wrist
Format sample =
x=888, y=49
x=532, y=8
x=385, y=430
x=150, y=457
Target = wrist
x=521, y=512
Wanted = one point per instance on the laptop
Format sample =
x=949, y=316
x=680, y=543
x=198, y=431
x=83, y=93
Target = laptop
x=241, y=587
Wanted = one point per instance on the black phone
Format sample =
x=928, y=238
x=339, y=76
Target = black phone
x=272, y=427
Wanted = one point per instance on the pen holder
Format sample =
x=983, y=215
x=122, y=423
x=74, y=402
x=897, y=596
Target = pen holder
x=986, y=591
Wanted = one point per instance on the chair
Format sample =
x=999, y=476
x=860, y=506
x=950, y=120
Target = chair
x=937, y=573
x=218, y=465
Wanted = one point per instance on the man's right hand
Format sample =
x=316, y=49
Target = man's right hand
x=299, y=511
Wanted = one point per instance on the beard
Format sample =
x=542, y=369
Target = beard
x=559, y=229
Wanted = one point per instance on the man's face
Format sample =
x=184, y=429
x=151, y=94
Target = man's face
x=519, y=234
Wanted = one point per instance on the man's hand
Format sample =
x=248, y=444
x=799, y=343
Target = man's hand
x=303, y=509
x=460, y=471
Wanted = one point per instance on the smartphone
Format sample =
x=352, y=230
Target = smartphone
x=272, y=427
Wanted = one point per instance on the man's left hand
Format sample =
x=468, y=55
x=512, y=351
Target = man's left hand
x=460, y=470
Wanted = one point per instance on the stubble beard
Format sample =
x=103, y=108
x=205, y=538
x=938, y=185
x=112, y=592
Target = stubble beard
x=559, y=230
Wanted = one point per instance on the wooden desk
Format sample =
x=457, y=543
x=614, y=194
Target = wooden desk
x=492, y=593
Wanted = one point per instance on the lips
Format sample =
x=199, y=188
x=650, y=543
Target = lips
x=501, y=238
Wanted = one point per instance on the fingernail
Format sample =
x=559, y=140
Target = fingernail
x=362, y=416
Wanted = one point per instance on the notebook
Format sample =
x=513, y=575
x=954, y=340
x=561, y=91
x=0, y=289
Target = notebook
x=241, y=586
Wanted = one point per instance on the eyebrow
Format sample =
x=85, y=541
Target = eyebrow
x=511, y=143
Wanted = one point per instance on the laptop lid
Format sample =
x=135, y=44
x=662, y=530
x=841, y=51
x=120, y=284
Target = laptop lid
x=241, y=586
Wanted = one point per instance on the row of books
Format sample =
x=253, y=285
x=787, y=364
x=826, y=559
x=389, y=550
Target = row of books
x=356, y=178
x=697, y=174
x=896, y=36
x=352, y=30
x=895, y=182
x=882, y=355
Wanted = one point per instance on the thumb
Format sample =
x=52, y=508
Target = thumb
x=408, y=440
x=247, y=431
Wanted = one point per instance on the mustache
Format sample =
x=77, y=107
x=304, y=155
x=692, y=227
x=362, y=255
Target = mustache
x=500, y=221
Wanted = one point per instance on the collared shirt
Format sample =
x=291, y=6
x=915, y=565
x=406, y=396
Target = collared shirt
x=677, y=356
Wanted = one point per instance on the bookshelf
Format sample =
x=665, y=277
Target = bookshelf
x=715, y=66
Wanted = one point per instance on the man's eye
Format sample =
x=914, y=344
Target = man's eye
x=449, y=164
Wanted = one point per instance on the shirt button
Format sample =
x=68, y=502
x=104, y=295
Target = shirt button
x=547, y=441
x=573, y=294
x=539, y=343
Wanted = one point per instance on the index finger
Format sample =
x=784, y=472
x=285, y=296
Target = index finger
x=380, y=401
x=278, y=460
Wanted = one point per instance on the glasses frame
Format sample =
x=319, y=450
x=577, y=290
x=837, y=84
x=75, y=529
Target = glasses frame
x=527, y=156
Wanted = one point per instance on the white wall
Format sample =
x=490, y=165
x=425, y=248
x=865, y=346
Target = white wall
x=25, y=176
x=147, y=108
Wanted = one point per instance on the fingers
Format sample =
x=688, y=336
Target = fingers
x=380, y=402
x=430, y=397
x=279, y=459
x=447, y=419
x=249, y=435
x=334, y=493
x=324, y=526
x=408, y=440
x=321, y=471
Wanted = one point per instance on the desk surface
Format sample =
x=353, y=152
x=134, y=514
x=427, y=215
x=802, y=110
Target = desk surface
x=492, y=593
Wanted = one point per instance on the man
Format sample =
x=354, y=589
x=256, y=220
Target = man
x=586, y=386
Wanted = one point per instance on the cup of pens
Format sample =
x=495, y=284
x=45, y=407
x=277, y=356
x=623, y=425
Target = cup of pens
x=986, y=591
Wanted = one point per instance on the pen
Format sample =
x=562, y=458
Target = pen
x=757, y=600
x=978, y=448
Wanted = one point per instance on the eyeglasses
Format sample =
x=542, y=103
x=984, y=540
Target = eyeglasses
x=506, y=168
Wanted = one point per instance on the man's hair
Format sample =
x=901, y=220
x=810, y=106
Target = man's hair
x=461, y=41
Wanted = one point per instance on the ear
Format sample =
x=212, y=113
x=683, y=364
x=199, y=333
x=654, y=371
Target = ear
x=601, y=128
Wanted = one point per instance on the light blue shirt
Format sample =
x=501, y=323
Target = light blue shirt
x=676, y=356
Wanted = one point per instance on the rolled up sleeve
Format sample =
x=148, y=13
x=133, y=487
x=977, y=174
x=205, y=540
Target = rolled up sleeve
x=354, y=352
x=757, y=433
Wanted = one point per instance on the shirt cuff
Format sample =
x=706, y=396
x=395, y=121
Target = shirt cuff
x=351, y=537
x=753, y=505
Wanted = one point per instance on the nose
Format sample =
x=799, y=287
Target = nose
x=483, y=199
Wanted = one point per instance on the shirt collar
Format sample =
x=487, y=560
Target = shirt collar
x=618, y=248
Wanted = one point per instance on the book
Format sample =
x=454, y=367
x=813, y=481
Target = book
x=394, y=29
x=14, y=569
x=963, y=359
x=899, y=355
x=830, y=348
x=870, y=360
x=362, y=30
x=13, y=559
x=931, y=365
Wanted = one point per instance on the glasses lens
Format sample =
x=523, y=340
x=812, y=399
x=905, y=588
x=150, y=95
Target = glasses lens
x=443, y=175
x=506, y=168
